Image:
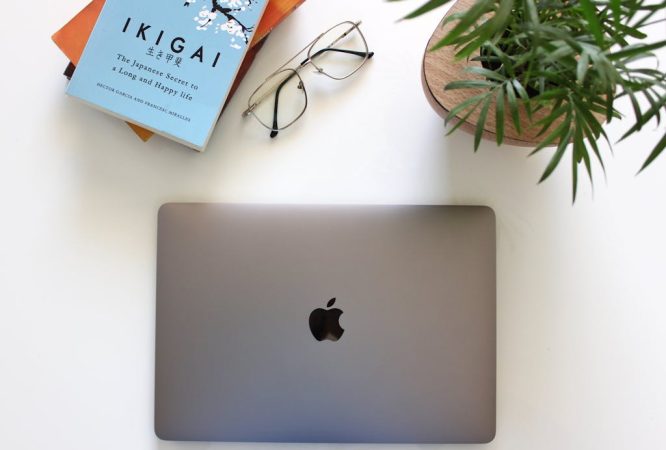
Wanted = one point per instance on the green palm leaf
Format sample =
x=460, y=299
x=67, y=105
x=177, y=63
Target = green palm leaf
x=565, y=62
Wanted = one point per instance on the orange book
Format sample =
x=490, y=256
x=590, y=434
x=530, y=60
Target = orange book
x=72, y=38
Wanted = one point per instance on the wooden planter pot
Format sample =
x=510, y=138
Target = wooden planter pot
x=440, y=68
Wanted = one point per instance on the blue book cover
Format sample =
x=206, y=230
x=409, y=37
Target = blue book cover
x=166, y=65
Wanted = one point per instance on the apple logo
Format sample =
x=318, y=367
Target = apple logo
x=325, y=323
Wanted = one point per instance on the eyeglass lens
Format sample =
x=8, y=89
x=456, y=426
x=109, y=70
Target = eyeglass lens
x=280, y=101
x=339, y=52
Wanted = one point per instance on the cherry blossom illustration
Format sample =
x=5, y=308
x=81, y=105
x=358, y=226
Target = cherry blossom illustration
x=221, y=17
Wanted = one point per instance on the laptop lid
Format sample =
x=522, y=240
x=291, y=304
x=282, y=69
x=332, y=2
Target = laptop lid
x=339, y=324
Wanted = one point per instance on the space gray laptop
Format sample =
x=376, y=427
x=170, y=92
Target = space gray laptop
x=338, y=324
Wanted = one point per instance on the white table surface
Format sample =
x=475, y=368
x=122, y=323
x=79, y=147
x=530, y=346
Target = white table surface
x=581, y=289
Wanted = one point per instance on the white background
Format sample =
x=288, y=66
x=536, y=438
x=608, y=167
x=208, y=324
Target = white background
x=581, y=289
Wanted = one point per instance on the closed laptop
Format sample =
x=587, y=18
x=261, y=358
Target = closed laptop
x=341, y=324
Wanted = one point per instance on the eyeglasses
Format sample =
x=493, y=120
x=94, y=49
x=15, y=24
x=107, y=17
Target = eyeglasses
x=337, y=53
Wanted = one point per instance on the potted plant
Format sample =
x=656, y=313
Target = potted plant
x=548, y=72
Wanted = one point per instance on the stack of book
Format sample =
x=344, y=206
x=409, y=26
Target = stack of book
x=166, y=67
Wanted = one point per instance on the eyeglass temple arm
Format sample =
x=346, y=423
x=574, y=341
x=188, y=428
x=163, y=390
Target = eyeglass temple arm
x=341, y=50
x=274, y=131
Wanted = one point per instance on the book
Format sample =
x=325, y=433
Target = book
x=167, y=66
x=73, y=36
x=146, y=135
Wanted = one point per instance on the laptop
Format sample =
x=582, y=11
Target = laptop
x=325, y=324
